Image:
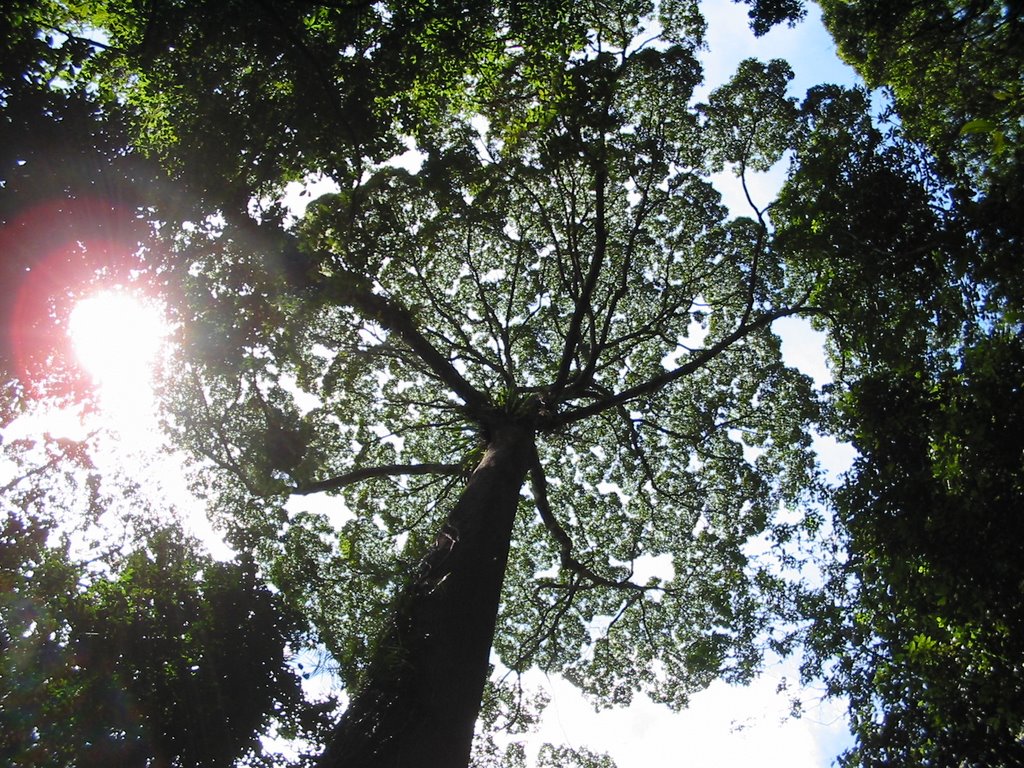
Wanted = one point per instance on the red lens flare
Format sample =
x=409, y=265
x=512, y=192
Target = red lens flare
x=51, y=255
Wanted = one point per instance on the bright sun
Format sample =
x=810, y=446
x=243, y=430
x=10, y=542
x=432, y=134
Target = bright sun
x=117, y=336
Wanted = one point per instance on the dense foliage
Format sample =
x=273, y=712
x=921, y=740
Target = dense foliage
x=925, y=594
x=170, y=659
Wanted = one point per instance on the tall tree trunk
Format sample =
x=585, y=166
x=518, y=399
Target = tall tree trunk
x=421, y=697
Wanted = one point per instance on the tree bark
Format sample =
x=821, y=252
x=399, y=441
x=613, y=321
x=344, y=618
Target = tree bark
x=421, y=697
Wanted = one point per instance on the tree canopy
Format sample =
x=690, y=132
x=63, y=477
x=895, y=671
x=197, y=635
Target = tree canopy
x=509, y=395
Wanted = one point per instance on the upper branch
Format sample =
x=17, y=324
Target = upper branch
x=656, y=383
x=385, y=470
x=396, y=318
x=67, y=450
x=572, y=338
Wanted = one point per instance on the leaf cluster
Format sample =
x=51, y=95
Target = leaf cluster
x=168, y=656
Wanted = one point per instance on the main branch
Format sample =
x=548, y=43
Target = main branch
x=701, y=358
x=539, y=486
x=394, y=317
x=384, y=470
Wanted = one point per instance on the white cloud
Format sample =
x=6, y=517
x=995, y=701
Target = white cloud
x=724, y=727
x=803, y=348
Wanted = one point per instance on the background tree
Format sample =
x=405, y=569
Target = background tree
x=172, y=660
x=953, y=70
x=120, y=643
x=924, y=600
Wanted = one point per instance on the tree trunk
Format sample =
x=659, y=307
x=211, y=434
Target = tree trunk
x=421, y=697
